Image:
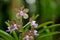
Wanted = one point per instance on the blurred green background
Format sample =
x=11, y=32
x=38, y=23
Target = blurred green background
x=48, y=10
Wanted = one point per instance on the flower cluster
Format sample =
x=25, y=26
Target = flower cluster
x=29, y=34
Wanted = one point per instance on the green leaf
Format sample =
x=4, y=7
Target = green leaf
x=35, y=17
x=7, y=24
x=49, y=34
x=15, y=35
x=5, y=35
x=52, y=26
x=40, y=31
x=26, y=25
x=25, y=28
x=44, y=24
x=47, y=30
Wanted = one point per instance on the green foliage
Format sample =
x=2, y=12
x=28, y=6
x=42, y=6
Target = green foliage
x=5, y=35
x=44, y=24
x=49, y=34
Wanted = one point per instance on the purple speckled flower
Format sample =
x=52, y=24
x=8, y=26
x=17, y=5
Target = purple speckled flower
x=35, y=33
x=33, y=23
x=14, y=28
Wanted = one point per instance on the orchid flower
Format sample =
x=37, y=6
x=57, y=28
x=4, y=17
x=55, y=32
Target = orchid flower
x=35, y=33
x=33, y=23
x=12, y=29
x=27, y=37
x=22, y=13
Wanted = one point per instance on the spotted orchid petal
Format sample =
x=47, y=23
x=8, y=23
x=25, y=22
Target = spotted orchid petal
x=18, y=15
x=25, y=16
x=26, y=10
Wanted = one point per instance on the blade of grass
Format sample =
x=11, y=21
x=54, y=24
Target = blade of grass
x=15, y=35
x=26, y=28
x=49, y=34
x=35, y=17
x=52, y=26
x=7, y=24
x=26, y=25
x=6, y=35
x=44, y=24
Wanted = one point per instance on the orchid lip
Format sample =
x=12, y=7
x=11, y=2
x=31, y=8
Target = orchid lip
x=7, y=30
